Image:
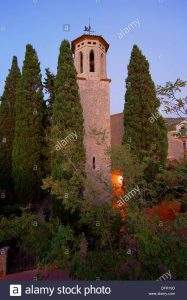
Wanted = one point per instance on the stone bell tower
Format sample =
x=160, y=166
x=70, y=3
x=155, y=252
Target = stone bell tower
x=90, y=62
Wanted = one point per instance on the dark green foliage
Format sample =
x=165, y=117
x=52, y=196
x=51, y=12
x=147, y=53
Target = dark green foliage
x=160, y=246
x=49, y=85
x=175, y=180
x=56, y=246
x=136, y=248
x=144, y=129
x=99, y=265
x=7, y=124
x=68, y=161
x=170, y=183
x=28, y=156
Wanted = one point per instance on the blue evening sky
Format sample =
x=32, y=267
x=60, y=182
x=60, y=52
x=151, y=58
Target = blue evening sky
x=161, y=36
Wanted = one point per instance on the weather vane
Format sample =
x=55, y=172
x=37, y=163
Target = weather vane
x=88, y=28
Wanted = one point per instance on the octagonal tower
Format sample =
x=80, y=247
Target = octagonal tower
x=90, y=62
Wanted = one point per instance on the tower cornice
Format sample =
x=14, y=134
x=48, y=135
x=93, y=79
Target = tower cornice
x=91, y=37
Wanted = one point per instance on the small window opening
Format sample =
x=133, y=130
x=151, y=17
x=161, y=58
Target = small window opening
x=93, y=163
x=92, y=63
x=81, y=62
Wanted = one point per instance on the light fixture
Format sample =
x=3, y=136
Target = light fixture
x=120, y=179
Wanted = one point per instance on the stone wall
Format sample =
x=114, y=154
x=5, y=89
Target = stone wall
x=3, y=261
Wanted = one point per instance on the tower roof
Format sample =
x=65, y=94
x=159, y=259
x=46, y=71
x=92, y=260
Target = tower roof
x=90, y=36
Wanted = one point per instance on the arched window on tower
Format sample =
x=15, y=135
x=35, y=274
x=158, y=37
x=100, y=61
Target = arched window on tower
x=92, y=62
x=81, y=62
x=102, y=64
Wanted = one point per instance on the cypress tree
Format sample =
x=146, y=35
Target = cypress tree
x=27, y=155
x=68, y=154
x=7, y=124
x=145, y=132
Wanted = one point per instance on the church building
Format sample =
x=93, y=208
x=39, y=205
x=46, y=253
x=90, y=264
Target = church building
x=102, y=130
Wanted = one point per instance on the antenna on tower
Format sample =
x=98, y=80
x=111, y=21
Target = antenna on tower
x=88, y=28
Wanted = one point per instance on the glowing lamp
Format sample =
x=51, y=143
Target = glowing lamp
x=120, y=179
